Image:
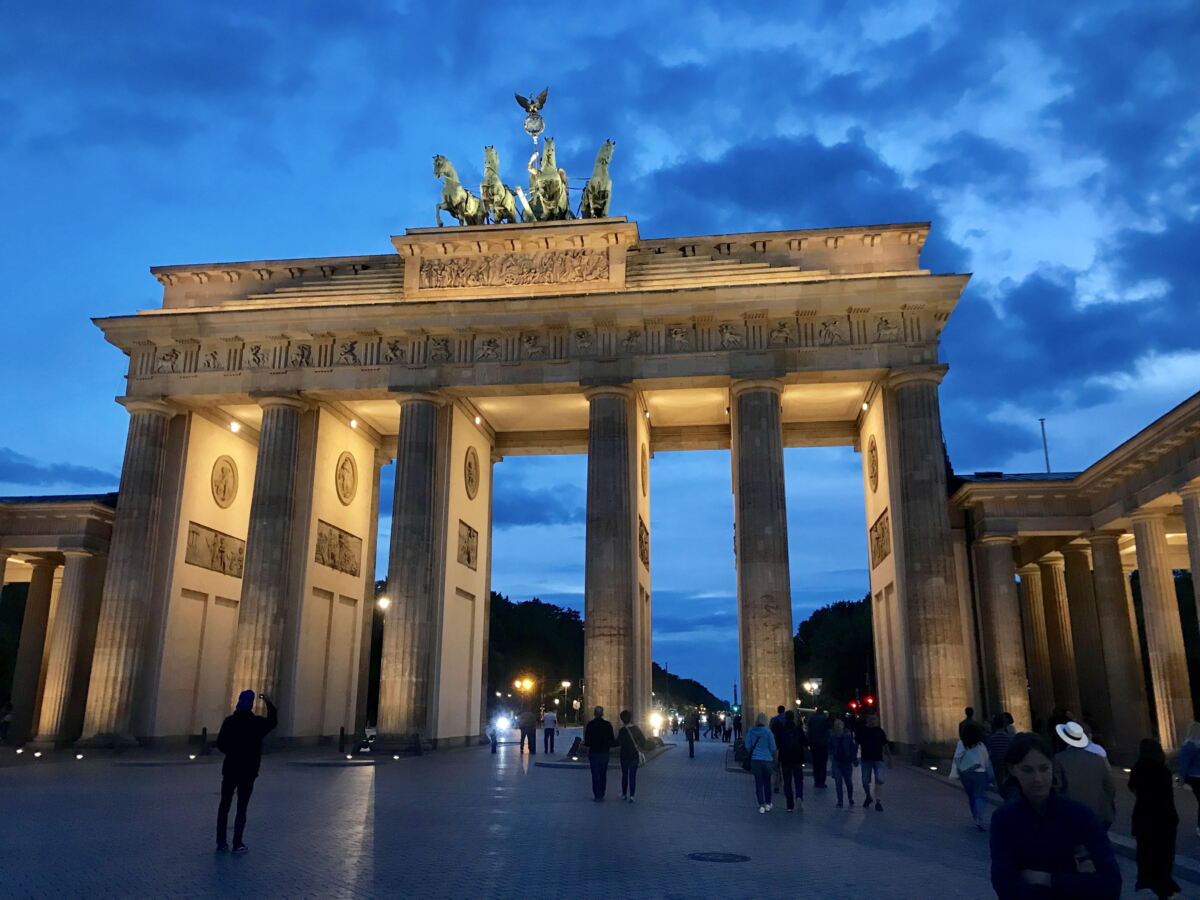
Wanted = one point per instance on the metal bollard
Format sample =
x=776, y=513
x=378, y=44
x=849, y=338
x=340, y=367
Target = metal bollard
x=204, y=748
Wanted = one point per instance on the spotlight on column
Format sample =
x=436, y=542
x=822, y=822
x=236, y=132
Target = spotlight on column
x=396, y=756
x=191, y=756
x=37, y=754
x=349, y=756
x=354, y=423
x=866, y=406
x=20, y=750
x=647, y=414
x=79, y=756
x=235, y=427
x=383, y=602
x=478, y=420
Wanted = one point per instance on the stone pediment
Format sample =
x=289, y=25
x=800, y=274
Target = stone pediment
x=581, y=256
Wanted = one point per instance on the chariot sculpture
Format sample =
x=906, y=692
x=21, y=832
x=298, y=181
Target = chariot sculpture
x=548, y=199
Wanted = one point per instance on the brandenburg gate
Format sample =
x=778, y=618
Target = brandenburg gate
x=264, y=397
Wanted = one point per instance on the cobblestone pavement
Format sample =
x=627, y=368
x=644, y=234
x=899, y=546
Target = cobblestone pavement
x=465, y=823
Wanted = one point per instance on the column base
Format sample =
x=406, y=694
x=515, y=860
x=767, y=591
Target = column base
x=108, y=742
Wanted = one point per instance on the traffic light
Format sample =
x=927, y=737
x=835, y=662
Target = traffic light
x=854, y=704
x=869, y=700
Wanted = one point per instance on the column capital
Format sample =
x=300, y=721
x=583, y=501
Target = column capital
x=1191, y=490
x=157, y=405
x=406, y=397
x=77, y=553
x=993, y=539
x=293, y=401
x=774, y=385
x=1150, y=514
x=1053, y=559
x=1104, y=537
x=497, y=456
x=608, y=390
x=1029, y=569
x=925, y=374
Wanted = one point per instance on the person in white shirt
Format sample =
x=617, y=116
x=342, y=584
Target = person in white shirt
x=549, y=730
x=973, y=768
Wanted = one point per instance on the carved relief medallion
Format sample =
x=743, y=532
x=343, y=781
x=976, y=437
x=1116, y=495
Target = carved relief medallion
x=224, y=481
x=873, y=464
x=345, y=477
x=644, y=469
x=471, y=473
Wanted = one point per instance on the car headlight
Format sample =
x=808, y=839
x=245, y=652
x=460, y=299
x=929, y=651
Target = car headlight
x=503, y=723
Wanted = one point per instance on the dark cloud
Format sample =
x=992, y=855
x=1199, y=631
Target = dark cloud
x=16, y=468
x=518, y=504
x=968, y=161
x=673, y=623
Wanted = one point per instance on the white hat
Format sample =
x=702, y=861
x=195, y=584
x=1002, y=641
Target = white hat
x=1072, y=733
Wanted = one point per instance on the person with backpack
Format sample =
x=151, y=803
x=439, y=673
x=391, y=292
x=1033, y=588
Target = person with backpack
x=240, y=739
x=843, y=757
x=760, y=754
x=632, y=743
x=791, y=742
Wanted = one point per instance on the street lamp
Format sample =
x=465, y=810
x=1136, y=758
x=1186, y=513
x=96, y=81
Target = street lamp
x=383, y=602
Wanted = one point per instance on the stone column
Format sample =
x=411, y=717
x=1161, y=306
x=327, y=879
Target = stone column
x=1164, y=632
x=1037, y=648
x=760, y=529
x=63, y=656
x=922, y=523
x=1190, y=493
x=1122, y=666
x=610, y=575
x=129, y=578
x=1127, y=570
x=406, y=675
x=30, y=647
x=267, y=589
x=1058, y=633
x=1000, y=617
x=1085, y=636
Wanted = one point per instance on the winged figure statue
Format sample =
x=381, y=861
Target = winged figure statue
x=532, y=104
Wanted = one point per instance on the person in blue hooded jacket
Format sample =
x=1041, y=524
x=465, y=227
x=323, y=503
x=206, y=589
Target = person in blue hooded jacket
x=241, y=740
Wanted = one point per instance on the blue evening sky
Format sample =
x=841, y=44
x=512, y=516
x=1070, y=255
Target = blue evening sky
x=1052, y=145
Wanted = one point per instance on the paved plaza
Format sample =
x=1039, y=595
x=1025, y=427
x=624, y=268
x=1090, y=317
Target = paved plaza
x=466, y=823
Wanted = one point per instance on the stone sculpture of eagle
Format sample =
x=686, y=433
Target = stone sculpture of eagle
x=532, y=104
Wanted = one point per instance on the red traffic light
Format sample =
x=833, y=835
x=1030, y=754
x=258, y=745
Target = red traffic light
x=854, y=704
x=870, y=700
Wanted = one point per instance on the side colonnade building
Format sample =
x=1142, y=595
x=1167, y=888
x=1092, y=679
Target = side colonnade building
x=1052, y=557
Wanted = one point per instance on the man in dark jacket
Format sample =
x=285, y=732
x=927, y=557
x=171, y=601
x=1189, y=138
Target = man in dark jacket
x=691, y=727
x=241, y=740
x=599, y=739
x=791, y=742
x=818, y=742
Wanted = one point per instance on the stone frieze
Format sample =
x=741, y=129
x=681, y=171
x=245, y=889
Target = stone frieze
x=514, y=269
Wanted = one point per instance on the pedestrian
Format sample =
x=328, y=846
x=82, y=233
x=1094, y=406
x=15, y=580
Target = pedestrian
x=737, y=726
x=691, y=727
x=818, y=742
x=873, y=744
x=727, y=721
x=527, y=722
x=549, y=730
x=843, y=754
x=599, y=739
x=1092, y=746
x=1010, y=725
x=1084, y=777
x=1155, y=820
x=674, y=724
x=240, y=739
x=1058, y=716
x=791, y=742
x=968, y=716
x=1044, y=844
x=1189, y=765
x=760, y=747
x=997, y=748
x=633, y=744
x=973, y=768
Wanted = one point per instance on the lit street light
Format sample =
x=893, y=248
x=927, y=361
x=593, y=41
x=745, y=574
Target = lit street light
x=383, y=602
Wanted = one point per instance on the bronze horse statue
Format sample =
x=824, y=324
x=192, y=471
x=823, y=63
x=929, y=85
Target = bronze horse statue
x=598, y=191
x=498, y=201
x=456, y=199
